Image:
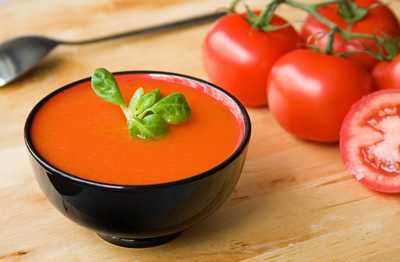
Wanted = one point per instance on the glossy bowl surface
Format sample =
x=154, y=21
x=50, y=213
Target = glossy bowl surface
x=143, y=215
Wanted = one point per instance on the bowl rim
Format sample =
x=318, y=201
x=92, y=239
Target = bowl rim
x=55, y=171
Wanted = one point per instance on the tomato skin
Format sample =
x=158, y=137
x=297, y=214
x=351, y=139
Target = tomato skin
x=348, y=151
x=238, y=58
x=387, y=74
x=379, y=20
x=310, y=93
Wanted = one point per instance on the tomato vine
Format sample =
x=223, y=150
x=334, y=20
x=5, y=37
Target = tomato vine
x=388, y=48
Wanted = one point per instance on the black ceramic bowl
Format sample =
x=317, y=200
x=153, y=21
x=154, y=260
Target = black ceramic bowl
x=145, y=215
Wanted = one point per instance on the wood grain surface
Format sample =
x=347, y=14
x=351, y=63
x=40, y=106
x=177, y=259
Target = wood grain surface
x=294, y=201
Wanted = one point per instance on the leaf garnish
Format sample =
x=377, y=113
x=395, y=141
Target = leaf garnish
x=106, y=87
x=174, y=109
x=147, y=114
x=134, y=100
x=151, y=127
x=148, y=100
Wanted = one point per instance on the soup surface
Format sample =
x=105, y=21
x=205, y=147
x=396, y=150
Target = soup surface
x=81, y=134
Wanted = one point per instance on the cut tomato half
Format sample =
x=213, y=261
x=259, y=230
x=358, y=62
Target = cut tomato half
x=370, y=141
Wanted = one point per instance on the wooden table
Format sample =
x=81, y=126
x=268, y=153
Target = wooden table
x=294, y=201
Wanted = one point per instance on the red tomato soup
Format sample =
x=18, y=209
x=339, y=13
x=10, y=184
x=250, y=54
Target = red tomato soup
x=83, y=135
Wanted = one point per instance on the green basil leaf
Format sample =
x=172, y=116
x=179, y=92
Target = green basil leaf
x=150, y=127
x=174, y=109
x=137, y=129
x=134, y=100
x=106, y=87
x=156, y=124
x=148, y=100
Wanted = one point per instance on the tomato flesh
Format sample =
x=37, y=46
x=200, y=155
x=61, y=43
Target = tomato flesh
x=370, y=141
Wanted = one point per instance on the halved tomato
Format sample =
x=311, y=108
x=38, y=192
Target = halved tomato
x=370, y=141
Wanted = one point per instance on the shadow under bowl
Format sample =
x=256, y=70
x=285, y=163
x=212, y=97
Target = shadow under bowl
x=143, y=215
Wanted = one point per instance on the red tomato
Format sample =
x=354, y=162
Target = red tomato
x=370, y=141
x=387, y=74
x=380, y=20
x=238, y=57
x=310, y=93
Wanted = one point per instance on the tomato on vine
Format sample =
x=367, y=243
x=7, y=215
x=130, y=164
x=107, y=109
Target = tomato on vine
x=359, y=16
x=309, y=93
x=387, y=74
x=240, y=49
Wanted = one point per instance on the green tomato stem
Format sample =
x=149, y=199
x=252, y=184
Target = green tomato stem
x=233, y=5
x=312, y=10
x=345, y=9
x=331, y=39
x=266, y=16
x=351, y=35
x=263, y=21
x=347, y=35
